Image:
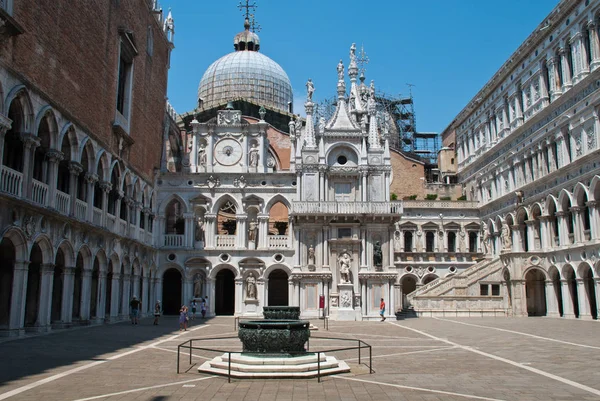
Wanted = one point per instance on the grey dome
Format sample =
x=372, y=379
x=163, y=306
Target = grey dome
x=246, y=75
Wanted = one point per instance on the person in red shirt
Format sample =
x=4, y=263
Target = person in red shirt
x=382, y=309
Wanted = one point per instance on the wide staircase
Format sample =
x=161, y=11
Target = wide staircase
x=458, y=294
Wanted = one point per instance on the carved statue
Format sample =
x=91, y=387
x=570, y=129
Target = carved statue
x=199, y=229
x=310, y=88
x=353, y=53
x=485, y=238
x=252, y=230
x=298, y=126
x=322, y=125
x=254, y=156
x=197, y=285
x=506, y=239
x=311, y=255
x=202, y=155
x=345, y=301
x=344, y=261
x=292, y=126
x=397, y=244
x=251, y=287
x=377, y=254
x=340, y=70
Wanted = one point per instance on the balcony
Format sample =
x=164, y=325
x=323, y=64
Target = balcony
x=81, y=209
x=11, y=181
x=63, y=202
x=225, y=241
x=173, y=240
x=436, y=204
x=39, y=192
x=346, y=208
x=278, y=241
x=97, y=216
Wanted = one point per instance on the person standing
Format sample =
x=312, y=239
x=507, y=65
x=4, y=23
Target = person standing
x=193, y=309
x=203, y=307
x=135, y=305
x=156, y=312
x=183, y=318
x=382, y=309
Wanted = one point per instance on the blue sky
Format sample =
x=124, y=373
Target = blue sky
x=448, y=49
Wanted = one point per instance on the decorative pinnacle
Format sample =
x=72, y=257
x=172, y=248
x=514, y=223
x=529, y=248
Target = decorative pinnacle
x=362, y=60
x=248, y=7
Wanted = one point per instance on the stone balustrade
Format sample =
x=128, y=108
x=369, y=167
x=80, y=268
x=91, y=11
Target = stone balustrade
x=346, y=208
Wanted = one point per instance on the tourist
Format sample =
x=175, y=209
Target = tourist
x=193, y=309
x=156, y=312
x=183, y=318
x=382, y=309
x=203, y=307
x=135, y=305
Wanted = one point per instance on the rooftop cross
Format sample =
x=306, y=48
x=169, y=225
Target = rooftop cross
x=253, y=24
x=362, y=59
x=248, y=7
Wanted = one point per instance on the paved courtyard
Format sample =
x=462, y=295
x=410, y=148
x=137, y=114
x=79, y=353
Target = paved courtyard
x=416, y=359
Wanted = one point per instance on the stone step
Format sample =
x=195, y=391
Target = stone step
x=330, y=367
x=260, y=360
x=330, y=363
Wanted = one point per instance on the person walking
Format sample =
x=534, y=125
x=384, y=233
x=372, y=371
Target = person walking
x=203, y=307
x=193, y=309
x=135, y=305
x=156, y=312
x=183, y=318
x=382, y=309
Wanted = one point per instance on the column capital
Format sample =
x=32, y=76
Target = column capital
x=241, y=217
x=48, y=268
x=561, y=214
x=30, y=140
x=189, y=215
x=128, y=200
x=105, y=186
x=577, y=209
x=210, y=216
x=55, y=155
x=75, y=168
x=591, y=24
x=91, y=178
x=69, y=270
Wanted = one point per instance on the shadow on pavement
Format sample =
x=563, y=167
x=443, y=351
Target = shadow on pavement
x=38, y=354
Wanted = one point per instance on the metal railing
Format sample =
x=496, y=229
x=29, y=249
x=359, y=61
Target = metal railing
x=189, y=345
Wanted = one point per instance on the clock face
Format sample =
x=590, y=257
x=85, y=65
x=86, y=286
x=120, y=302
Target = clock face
x=228, y=152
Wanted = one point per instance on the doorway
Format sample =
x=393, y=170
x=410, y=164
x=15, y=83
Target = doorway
x=171, y=292
x=278, y=288
x=225, y=293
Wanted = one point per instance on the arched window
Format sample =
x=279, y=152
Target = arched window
x=113, y=195
x=13, y=145
x=472, y=241
x=429, y=241
x=451, y=241
x=408, y=241
x=227, y=223
x=175, y=223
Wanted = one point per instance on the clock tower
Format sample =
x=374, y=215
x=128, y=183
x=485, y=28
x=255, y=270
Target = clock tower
x=228, y=144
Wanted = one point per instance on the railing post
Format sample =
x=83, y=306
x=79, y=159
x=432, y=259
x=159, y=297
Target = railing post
x=229, y=368
x=191, y=342
x=358, y=351
x=318, y=367
x=370, y=360
x=178, y=349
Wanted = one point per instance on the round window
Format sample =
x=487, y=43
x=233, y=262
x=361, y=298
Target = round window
x=171, y=257
x=342, y=159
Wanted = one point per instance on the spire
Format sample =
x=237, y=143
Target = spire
x=355, y=103
x=372, y=110
x=341, y=121
x=169, y=27
x=247, y=40
x=309, y=131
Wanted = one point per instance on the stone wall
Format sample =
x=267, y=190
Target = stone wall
x=408, y=176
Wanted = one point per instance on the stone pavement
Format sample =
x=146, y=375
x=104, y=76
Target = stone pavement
x=416, y=359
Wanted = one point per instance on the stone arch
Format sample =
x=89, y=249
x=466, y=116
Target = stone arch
x=222, y=199
x=217, y=268
x=565, y=200
x=594, y=190
x=347, y=149
x=271, y=268
x=428, y=278
x=172, y=276
x=554, y=277
x=45, y=244
x=408, y=284
x=46, y=114
x=20, y=95
x=224, y=299
x=571, y=297
x=86, y=255
x=277, y=285
x=171, y=265
x=68, y=252
x=165, y=203
x=102, y=260
x=102, y=167
x=19, y=242
x=68, y=132
x=535, y=291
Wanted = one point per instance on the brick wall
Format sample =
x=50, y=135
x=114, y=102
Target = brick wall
x=407, y=176
x=69, y=54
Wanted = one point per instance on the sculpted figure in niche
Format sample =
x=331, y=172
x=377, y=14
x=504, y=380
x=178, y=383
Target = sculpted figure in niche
x=311, y=255
x=344, y=261
x=485, y=238
x=197, y=285
x=202, y=155
x=377, y=254
x=506, y=239
x=310, y=89
x=251, y=287
x=200, y=229
x=252, y=230
x=254, y=156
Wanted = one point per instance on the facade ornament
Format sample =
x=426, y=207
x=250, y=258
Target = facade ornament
x=353, y=53
x=322, y=126
x=262, y=112
x=311, y=255
x=420, y=271
x=28, y=226
x=251, y=287
x=212, y=182
x=271, y=162
x=345, y=300
x=333, y=299
x=240, y=182
x=229, y=117
x=202, y=155
x=397, y=244
x=340, y=70
x=198, y=284
x=254, y=156
x=292, y=127
x=344, y=261
x=377, y=254
x=506, y=239
x=298, y=126
x=485, y=238
x=199, y=229
x=310, y=89
x=252, y=230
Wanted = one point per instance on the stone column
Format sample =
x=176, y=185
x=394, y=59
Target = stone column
x=54, y=157
x=90, y=180
x=86, y=293
x=597, y=289
x=552, y=156
x=364, y=175
x=544, y=95
x=297, y=245
x=594, y=221
x=551, y=301
x=74, y=170
x=45, y=307
x=518, y=106
x=578, y=224
x=567, y=300
x=545, y=233
x=146, y=300
x=30, y=143
x=106, y=187
x=67, y=297
x=135, y=284
x=188, y=239
x=210, y=229
x=517, y=244
x=263, y=232
x=584, y=305
x=566, y=73
x=239, y=287
x=125, y=299
x=326, y=231
x=19, y=294
x=584, y=69
x=519, y=298
x=594, y=45
x=363, y=248
x=563, y=231
x=101, y=301
x=530, y=233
